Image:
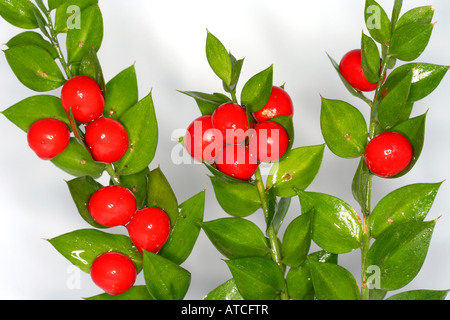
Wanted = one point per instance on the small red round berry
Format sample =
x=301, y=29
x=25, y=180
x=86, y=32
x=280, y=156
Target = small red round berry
x=48, y=138
x=107, y=139
x=83, y=95
x=113, y=272
x=202, y=141
x=388, y=154
x=351, y=69
x=279, y=104
x=237, y=161
x=149, y=229
x=112, y=206
x=269, y=141
x=231, y=120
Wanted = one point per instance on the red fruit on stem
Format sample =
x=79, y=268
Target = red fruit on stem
x=112, y=205
x=237, y=161
x=107, y=139
x=231, y=120
x=388, y=154
x=48, y=138
x=269, y=141
x=83, y=95
x=149, y=229
x=279, y=104
x=202, y=141
x=113, y=272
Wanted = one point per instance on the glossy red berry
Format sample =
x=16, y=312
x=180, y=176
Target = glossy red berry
x=202, y=141
x=107, y=139
x=48, y=138
x=279, y=104
x=352, y=71
x=388, y=154
x=113, y=272
x=112, y=205
x=149, y=229
x=237, y=161
x=83, y=95
x=231, y=120
x=269, y=141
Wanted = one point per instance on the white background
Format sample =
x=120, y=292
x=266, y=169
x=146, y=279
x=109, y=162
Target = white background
x=166, y=41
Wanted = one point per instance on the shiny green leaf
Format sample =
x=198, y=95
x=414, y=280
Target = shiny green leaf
x=422, y=14
x=218, y=58
x=90, y=66
x=360, y=186
x=257, y=278
x=235, y=73
x=343, y=128
x=34, y=67
x=160, y=194
x=335, y=225
x=185, y=231
x=409, y=203
x=137, y=183
x=257, y=90
x=281, y=209
x=142, y=127
x=138, y=292
x=32, y=38
x=207, y=102
x=81, y=247
x=67, y=13
x=297, y=240
x=236, y=238
x=370, y=58
x=226, y=291
x=238, y=199
x=165, y=280
x=377, y=22
x=420, y=295
x=19, y=13
x=410, y=40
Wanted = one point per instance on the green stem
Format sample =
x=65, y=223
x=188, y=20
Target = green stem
x=273, y=237
x=112, y=173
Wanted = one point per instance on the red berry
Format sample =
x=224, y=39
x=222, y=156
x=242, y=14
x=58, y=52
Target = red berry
x=149, y=229
x=48, y=138
x=113, y=272
x=202, y=141
x=83, y=95
x=352, y=71
x=112, y=206
x=107, y=139
x=237, y=161
x=269, y=141
x=279, y=104
x=388, y=154
x=231, y=119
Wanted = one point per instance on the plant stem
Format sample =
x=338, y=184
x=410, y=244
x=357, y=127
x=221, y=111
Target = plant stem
x=273, y=237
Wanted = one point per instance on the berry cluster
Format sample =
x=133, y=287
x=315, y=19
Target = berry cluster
x=235, y=141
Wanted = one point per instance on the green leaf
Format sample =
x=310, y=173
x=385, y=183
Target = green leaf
x=236, y=238
x=34, y=67
x=409, y=203
x=370, y=59
x=422, y=14
x=77, y=161
x=257, y=90
x=333, y=282
x=160, y=194
x=343, y=128
x=165, y=280
x=257, y=278
x=81, y=247
x=81, y=190
x=410, y=40
x=399, y=252
x=218, y=58
x=206, y=102
x=24, y=113
x=377, y=22
x=235, y=73
x=90, y=66
x=297, y=240
x=239, y=199
x=139, y=292
x=281, y=209
x=121, y=93
x=89, y=35
x=335, y=225
x=32, y=38
x=53, y=4
x=19, y=13
x=396, y=12
x=360, y=186
x=296, y=170
x=226, y=291
x=420, y=295
x=185, y=231
x=137, y=183
x=67, y=13
x=142, y=127
x=394, y=107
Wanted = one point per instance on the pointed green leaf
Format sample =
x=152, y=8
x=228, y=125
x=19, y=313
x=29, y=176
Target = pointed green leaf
x=32, y=38
x=257, y=90
x=422, y=14
x=160, y=194
x=377, y=22
x=90, y=66
x=410, y=40
x=19, y=13
x=280, y=212
x=370, y=59
x=206, y=102
x=360, y=186
x=218, y=58
x=297, y=240
x=165, y=280
x=137, y=183
x=226, y=291
x=420, y=295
